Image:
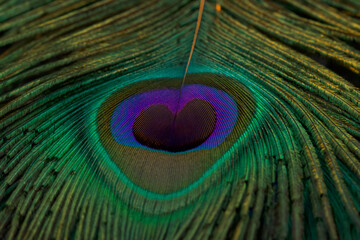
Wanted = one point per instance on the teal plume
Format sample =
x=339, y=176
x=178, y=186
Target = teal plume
x=189, y=119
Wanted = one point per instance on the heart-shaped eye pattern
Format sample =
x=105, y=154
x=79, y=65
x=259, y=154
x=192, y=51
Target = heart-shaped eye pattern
x=164, y=152
x=159, y=128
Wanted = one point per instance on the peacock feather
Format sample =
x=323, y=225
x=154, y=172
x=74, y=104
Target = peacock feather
x=189, y=119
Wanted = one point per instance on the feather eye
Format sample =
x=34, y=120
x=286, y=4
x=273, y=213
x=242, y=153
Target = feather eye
x=266, y=138
x=162, y=162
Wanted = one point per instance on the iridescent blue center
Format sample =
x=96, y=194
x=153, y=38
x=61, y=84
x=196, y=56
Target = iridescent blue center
x=126, y=113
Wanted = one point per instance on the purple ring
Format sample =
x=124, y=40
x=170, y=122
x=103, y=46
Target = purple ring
x=126, y=112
